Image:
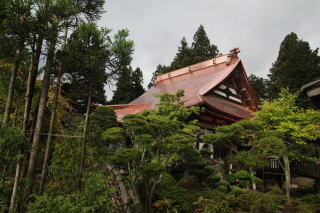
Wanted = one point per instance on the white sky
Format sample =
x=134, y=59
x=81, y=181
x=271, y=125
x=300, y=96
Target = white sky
x=257, y=27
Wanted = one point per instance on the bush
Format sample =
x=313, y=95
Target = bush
x=95, y=197
x=214, y=201
x=309, y=203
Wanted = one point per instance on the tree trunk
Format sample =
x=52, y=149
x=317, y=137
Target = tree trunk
x=151, y=194
x=135, y=194
x=85, y=133
x=49, y=139
x=254, y=186
x=15, y=185
x=52, y=120
x=13, y=77
x=29, y=141
x=32, y=75
x=41, y=109
x=287, y=175
x=122, y=187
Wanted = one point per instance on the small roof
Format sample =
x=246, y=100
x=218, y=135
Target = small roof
x=124, y=109
x=228, y=107
x=310, y=84
x=196, y=81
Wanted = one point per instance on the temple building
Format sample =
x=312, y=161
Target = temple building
x=222, y=90
x=219, y=86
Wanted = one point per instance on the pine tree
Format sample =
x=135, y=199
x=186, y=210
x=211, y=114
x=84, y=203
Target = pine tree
x=200, y=50
x=124, y=87
x=87, y=56
x=183, y=57
x=296, y=65
x=201, y=47
x=122, y=50
x=260, y=86
x=137, y=80
x=161, y=69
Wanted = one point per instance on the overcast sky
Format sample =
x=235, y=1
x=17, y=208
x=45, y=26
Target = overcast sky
x=257, y=27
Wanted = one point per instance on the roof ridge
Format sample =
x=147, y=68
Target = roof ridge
x=200, y=65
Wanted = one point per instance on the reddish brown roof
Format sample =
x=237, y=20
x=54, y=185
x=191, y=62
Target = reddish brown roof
x=227, y=107
x=125, y=109
x=196, y=81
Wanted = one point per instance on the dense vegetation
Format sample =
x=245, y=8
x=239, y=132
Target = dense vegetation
x=296, y=65
x=63, y=152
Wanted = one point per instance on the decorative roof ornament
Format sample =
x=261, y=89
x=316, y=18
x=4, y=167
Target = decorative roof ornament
x=234, y=52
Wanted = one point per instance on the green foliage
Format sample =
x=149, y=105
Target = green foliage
x=161, y=140
x=87, y=57
x=202, y=49
x=260, y=86
x=161, y=69
x=242, y=179
x=129, y=81
x=293, y=123
x=240, y=200
x=10, y=140
x=125, y=158
x=257, y=202
x=213, y=201
x=95, y=197
x=137, y=80
x=308, y=203
x=246, y=160
x=101, y=120
x=270, y=146
x=296, y=65
x=65, y=168
x=169, y=189
x=114, y=135
x=183, y=57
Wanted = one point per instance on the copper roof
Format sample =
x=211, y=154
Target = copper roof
x=228, y=107
x=125, y=109
x=196, y=81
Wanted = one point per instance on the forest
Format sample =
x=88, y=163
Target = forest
x=62, y=150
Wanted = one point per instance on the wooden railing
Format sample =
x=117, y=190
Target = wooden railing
x=310, y=170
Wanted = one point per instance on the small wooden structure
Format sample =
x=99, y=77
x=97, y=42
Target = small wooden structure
x=312, y=90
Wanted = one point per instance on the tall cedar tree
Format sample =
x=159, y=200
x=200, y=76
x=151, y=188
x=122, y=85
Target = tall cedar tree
x=183, y=57
x=124, y=87
x=296, y=65
x=129, y=86
x=129, y=82
x=137, y=80
x=201, y=47
x=87, y=55
x=260, y=85
x=200, y=50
